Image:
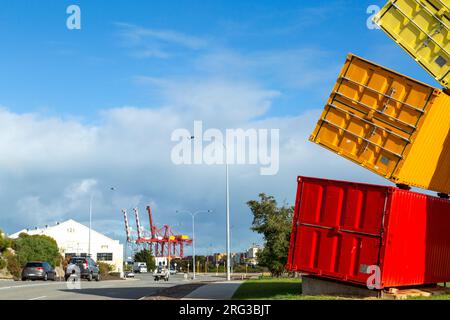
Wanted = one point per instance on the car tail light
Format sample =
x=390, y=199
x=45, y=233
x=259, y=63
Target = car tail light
x=39, y=268
x=85, y=265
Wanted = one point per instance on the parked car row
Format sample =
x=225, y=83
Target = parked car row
x=83, y=267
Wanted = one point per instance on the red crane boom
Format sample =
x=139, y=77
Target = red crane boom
x=150, y=218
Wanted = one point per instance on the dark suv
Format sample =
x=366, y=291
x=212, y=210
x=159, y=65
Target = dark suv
x=38, y=270
x=87, y=267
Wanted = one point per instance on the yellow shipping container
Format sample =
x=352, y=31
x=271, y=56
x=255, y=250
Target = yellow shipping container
x=390, y=124
x=421, y=28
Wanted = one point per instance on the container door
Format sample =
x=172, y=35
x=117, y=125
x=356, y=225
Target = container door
x=421, y=28
x=338, y=229
x=372, y=115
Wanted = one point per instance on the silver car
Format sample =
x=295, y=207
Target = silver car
x=85, y=266
x=38, y=270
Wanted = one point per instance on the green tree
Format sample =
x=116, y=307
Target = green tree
x=274, y=224
x=182, y=263
x=36, y=248
x=145, y=256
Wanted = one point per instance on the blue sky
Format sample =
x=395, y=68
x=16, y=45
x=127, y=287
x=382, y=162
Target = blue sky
x=85, y=109
x=77, y=73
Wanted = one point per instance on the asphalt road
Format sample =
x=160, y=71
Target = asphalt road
x=137, y=288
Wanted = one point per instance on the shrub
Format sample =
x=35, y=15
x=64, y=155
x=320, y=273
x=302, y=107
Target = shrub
x=105, y=268
x=13, y=265
x=2, y=263
x=127, y=267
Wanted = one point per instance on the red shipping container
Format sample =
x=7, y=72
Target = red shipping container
x=340, y=229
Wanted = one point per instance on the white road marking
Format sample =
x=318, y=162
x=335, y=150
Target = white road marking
x=29, y=285
x=61, y=283
x=37, y=298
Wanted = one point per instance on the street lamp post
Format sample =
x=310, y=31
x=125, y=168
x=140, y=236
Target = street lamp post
x=193, y=234
x=90, y=223
x=193, y=246
x=228, y=247
x=228, y=215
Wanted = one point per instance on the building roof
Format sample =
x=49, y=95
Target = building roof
x=39, y=231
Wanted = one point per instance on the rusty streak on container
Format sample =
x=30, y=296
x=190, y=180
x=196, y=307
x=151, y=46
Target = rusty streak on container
x=405, y=234
x=390, y=124
x=421, y=28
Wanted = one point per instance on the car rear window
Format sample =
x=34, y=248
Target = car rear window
x=77, y=260
x=34, y=264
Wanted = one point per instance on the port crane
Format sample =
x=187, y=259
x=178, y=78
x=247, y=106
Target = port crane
x=161, y=242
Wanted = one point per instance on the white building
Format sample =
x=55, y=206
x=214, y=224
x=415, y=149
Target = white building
x=73, y=240
x=252, y=254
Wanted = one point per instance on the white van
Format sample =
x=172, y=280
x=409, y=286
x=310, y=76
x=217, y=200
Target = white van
x=139, y=267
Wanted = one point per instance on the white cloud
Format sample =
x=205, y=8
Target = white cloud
x=51, y=165
x=215, y=101
x=80, y=189
x=156, y=43
x=151, y=53
x=298, y=68
x=305, y=67
x=67, y=142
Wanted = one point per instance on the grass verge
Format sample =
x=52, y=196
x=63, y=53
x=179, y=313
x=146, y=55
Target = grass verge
x=275, y=289
x=289, y=289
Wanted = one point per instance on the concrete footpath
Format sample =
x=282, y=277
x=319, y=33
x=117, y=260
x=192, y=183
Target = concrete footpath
x=223, y=290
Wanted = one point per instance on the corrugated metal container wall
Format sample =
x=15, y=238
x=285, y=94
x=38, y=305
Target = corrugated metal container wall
x=393, y=125
x=341, y=228
x=421, y=28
